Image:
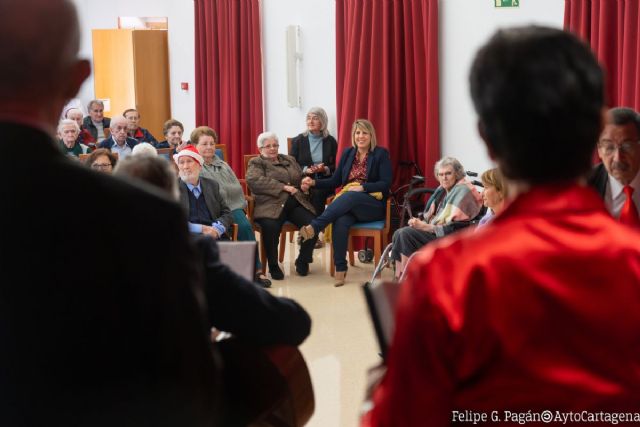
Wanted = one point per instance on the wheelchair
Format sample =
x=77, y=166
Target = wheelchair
x=406, y=210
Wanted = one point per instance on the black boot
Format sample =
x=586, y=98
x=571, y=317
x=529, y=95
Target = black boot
x=276, y=273
x=302, y=266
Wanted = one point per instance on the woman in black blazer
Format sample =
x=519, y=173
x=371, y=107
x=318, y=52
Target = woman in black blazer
x=364, y=172
x=315, y=151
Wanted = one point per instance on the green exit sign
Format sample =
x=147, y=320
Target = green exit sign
x=507, y=3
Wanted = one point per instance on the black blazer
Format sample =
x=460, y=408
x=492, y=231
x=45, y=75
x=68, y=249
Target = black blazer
x=217, y=206
x=599, y=179
x=100, y=322
x=301, y=151
x=379, y=173
x=243, y=308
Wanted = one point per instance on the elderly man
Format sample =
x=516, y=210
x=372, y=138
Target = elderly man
x=121, y=340
x=119, y=141
x=96, y=122
x=135, y=131
x=200, y=197
x=618, y=176
x=536, y=314
x=68, y=132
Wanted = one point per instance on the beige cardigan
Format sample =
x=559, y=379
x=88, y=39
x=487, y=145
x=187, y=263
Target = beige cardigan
x=266, y=180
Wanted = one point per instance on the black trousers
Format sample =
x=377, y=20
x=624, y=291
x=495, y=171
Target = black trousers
x=295, y=213
x=319, y=199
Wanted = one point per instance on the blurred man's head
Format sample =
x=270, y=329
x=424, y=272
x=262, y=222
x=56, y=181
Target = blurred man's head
x=539, y=96
x=39, y=68
x=156, y=171
x=619, y=144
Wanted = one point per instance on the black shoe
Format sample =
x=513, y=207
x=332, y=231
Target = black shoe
x=263, y=281
x=302, y=267
x=276, y=273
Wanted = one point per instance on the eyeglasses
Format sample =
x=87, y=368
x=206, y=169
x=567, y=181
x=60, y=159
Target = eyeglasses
x=443, y=174
x=608, y=148
x=102, y=166
x=271, y=146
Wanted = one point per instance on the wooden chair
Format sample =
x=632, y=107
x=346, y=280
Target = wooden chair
x=379, y=230
x=164, y=151
x=287, y=227
x=289, y=145
x=221, y=151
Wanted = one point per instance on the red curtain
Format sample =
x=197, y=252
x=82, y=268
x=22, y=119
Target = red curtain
x=612, y=29
x=387, y=72
x=229, y=74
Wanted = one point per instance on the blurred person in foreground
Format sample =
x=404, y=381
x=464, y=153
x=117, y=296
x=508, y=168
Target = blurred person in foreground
x=121, y=340
x=538, y=310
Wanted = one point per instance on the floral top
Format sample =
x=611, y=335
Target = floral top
x=359, y=169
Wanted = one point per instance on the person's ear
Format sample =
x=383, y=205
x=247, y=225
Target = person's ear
x=76, y=77
x=487, y=143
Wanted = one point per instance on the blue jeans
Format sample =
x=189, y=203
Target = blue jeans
x=245, y=231
x=343, y=212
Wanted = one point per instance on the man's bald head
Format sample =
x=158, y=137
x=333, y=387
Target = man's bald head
x=39, y=54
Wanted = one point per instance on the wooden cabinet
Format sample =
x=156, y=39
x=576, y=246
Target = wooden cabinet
x=131, y=70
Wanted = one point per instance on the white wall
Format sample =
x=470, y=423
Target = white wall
x=317, y=24
x=102, y=14
x=464, y=26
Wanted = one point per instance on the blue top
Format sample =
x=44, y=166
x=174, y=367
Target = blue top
x=315, y=144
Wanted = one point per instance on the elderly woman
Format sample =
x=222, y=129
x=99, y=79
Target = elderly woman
x=275, y=181
x=451, y=207
x=364, y=172
x=84, y=137
x=172, y=130
x=205, y=139
x=493, y=195
x=315, y=151
x=68, y=131
x=102, y=160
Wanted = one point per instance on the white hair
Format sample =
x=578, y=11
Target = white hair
x=264, y=136
x=144, y=149
x=64, y=122
x=118, y=119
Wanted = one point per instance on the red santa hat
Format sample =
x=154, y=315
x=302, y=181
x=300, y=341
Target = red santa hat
x=191, y=151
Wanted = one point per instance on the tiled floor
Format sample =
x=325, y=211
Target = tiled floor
x=342, y=344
